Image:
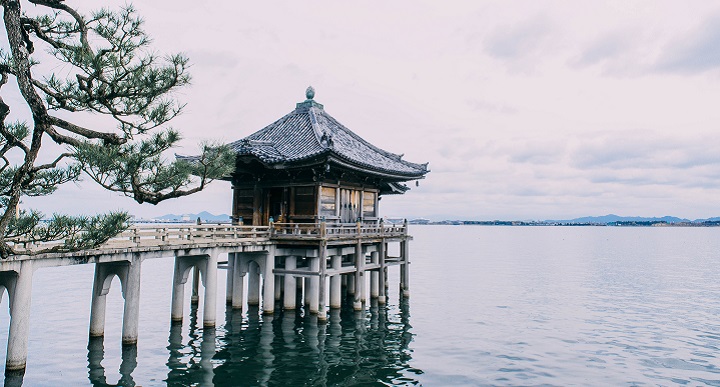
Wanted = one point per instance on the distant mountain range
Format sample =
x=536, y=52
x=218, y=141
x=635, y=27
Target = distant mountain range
x=204, y=216
x=616, y=218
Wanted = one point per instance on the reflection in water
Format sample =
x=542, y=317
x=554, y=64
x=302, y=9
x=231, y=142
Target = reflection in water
x=292, y=349
x=96, y=372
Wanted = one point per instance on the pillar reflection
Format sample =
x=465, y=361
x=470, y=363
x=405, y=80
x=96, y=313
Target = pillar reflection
x=96, y=371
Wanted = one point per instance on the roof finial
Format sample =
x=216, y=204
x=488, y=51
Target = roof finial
x=310, y=92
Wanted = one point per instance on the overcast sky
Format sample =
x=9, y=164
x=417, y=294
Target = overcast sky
x=524, y=110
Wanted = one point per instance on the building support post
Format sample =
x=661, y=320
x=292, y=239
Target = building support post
x=314, y=280
x=253, y=285
x=268, y=304
x=322, y=282
x=290, y=288
x=404, y=269
x=359, y=277
x=335, y=283
x=18, y=335
x=382, y=275
x=374, y=277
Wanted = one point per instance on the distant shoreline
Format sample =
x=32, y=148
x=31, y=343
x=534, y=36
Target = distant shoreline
x=713, y=223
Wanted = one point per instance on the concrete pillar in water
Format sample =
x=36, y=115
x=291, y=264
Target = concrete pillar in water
x=322, y=282
x=335, y=283
x=131, y=292
x=269, y=283
x=229, y=279
x=374, y=278
x=210, y=283
x=253, y=284
x=290, y=287
x=18, y=334
x=359, y=277
x=278, y=289
x=101, y=286
x=313, y=292
x=382, y=274
x=238, y=283
x=195, y=297
x=405, y=269
x=180, y=274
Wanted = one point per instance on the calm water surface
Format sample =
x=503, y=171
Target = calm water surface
x=489, y=306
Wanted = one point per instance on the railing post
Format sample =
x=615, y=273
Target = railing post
x=136, y=237
x=323, y=229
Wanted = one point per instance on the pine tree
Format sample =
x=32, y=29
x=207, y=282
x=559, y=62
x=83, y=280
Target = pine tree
x=108, y=69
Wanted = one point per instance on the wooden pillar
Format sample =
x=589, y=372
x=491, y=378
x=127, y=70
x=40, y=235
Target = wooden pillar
x=210, y=283
x=131, y=309
x=335, y=283
x=18, y=334
x=290, y=288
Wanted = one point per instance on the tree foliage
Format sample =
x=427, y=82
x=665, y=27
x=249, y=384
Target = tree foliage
x=108, y=69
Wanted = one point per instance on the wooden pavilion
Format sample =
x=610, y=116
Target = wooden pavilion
x=307, y=167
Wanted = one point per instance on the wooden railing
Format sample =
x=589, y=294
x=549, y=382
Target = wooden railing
x=186, y=235
x=318, y=230
x=170, y=235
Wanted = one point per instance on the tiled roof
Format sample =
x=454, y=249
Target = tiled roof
x=308, y=131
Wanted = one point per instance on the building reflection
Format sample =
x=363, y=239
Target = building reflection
x=293, y=349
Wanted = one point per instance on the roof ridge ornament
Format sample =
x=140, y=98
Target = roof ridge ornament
x=309, y=102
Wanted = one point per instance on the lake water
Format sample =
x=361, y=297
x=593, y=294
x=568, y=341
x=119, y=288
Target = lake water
x=489, y=306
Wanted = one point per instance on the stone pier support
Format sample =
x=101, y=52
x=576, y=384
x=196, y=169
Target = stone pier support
x=131, y=309
x=290, y=288
x=268, y=306
x=313, y=291
x=238, y=285
x=374, y=278
x=195, y=298
x=404, y=269
x=210, y=284
x=206, y=266
x=253, y=284
x=129, y=274
x=322, y=282
x=336, y=283
x=382, y=274
x=19, y=287
x=229, y=279
x=359, y=277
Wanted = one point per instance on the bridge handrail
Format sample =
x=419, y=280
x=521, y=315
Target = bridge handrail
x=178, y=235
